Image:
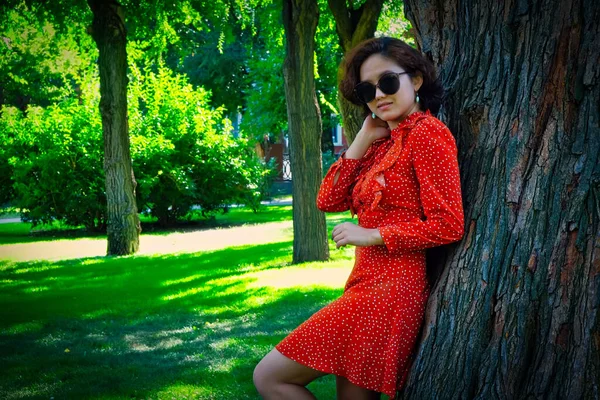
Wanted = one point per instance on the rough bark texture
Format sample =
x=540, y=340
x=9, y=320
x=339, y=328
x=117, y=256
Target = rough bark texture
x=123, y=224
x=514, y=314
x=353, y=26
x=352, y=117
x=300, y=19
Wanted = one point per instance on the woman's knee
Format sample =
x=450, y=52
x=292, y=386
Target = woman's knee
x=261, y=377
x=276, y=369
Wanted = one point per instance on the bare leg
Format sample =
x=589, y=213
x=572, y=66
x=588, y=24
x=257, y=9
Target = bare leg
x=346, y=390
x=278, y=377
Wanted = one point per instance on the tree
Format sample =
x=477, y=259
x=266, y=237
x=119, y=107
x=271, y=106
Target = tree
x=109, y=33
x=515, y=312
x=123, y=223
x=300, y=18
x=264, y=110
x=353, y=26
x=328, y=53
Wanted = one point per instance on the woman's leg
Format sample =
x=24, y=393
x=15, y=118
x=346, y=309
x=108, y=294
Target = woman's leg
x=278, y=377
x=346, y=390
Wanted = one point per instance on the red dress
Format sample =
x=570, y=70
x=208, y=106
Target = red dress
x=369, y=333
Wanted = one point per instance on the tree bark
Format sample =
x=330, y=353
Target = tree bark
x=353, y=26
x=515, y=312
x=123, y=224
x=300, y=19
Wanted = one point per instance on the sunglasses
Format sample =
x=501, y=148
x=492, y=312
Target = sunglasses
x=389, y=83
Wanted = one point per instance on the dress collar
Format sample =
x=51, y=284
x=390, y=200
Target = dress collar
x=408, y=123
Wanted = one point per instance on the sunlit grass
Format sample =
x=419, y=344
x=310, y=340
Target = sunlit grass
x=19, y=247
x=159, y=326
x=24, y=232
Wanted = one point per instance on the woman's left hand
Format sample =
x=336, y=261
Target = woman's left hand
x=349, y=233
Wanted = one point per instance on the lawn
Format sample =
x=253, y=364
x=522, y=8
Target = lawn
x=162, y=324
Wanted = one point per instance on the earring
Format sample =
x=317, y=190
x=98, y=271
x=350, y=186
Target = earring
x=417, y=97
x=373, y=115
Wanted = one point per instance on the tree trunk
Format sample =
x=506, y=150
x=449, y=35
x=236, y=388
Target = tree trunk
x=353, y=26
x=304, y=120
x=123, y=224
x=515, y=312
x=352, y=117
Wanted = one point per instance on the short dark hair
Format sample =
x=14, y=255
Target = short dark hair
x=431, y=92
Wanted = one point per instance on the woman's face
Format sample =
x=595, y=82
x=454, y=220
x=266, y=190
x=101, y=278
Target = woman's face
x=392, y=108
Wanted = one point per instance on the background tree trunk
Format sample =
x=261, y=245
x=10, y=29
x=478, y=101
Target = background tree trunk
x=123, y=224
x=353, y=26
x=300, y=19
x=515, y=311
x=352, y=117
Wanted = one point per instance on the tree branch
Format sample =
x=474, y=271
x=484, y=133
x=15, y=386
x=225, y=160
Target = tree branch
x=369, y=14
x=343, y=25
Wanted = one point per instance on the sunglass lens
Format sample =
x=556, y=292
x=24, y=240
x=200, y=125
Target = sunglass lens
x=365, y=91
x=389, y=83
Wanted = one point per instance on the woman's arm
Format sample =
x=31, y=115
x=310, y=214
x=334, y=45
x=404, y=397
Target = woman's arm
x=334, y=193
x=434, y=157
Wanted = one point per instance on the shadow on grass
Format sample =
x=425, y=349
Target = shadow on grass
x=184, y=326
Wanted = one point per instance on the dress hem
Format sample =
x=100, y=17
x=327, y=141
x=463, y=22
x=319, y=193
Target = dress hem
x=351, y=379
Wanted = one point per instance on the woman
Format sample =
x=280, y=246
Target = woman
x=401, y=177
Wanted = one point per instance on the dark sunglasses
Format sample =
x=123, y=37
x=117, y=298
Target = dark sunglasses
x=389, y=83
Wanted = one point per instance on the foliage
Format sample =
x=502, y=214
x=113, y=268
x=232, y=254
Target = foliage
x=184, y=153
x=56, y=155
x=328, y=56
x=179, y=134
x=265, y=111
x=265, y=108
x=40, y=64
x=327, y=160
x=392, y=22
x=7, y=192
x=220, y=69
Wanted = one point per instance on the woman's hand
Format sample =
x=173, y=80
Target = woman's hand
x=372, y=129
x=349, y=233
x=375, y=128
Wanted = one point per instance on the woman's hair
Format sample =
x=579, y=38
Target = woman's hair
x=431, y=91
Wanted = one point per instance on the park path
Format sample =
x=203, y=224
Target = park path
x=177, y=242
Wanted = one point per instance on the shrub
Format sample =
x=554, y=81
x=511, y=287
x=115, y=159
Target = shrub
x=56, y=158
x=183, y=154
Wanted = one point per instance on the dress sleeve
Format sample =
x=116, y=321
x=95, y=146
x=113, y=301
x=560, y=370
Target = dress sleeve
x=337, y=197
x=434, y=159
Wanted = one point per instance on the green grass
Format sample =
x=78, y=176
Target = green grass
x=171, y=326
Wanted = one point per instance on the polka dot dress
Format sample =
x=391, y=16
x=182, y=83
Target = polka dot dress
x=408, y=186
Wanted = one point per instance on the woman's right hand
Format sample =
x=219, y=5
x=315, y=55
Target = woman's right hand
x=375, y=128
x=372, y=129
